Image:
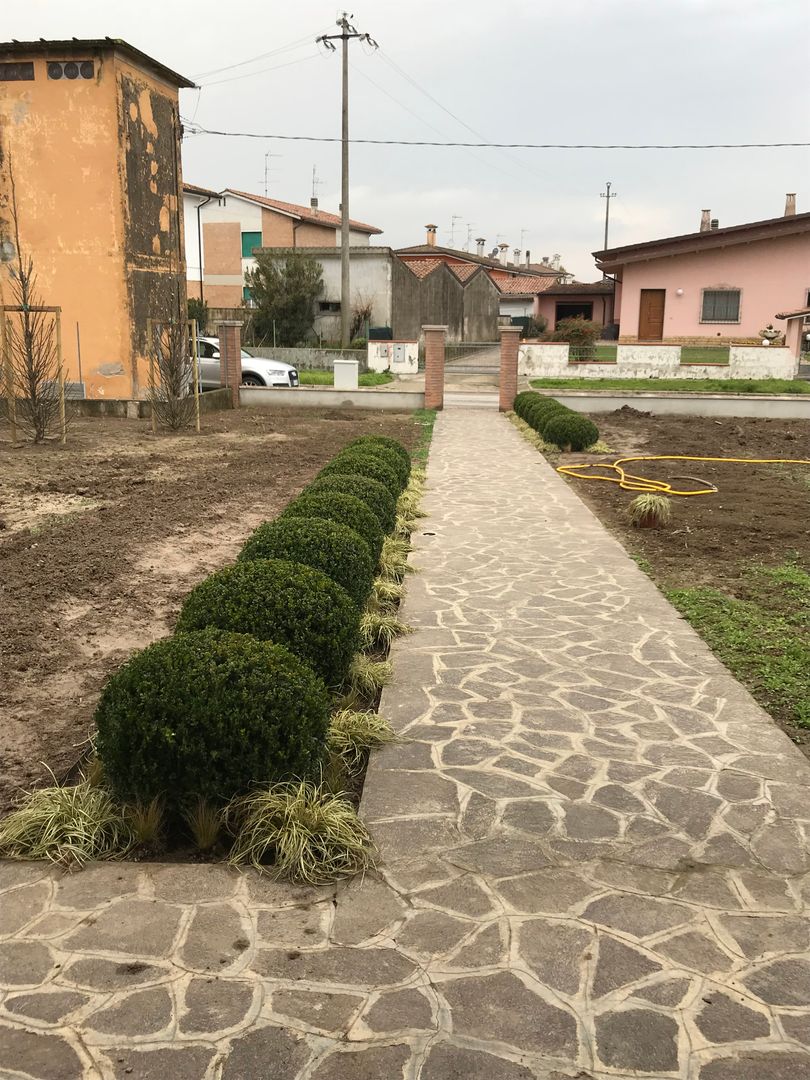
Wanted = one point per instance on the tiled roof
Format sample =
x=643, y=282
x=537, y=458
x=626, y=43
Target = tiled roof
x=422, y=267
x=435, y=251
x=802, y=313
x=524, y=285
x=575, y=288
x=192, y=189
x=305, y=213
x=67, y=48
x=463, y=271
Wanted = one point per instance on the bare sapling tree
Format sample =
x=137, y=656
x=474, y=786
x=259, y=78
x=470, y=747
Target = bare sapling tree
x=171, y=384
x=31, y=364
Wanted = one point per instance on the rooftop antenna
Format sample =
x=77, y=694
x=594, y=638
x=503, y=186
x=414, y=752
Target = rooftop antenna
x=453, y=219
x=267, y=157
x=523, y=233
x=468, y=241
x=316, y=183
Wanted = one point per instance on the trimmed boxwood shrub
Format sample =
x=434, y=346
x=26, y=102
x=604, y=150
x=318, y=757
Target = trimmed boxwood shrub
x=384, y=453
x=386, y=442
x=570, y=429
x=333, y=549
x=523, y=400
x=284, y=602
x=345, y=510
x=375, y=495
x=206, y=715
x=538, y=415
x=366, y=463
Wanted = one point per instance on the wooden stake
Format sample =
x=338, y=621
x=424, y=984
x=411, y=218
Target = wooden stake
x=195, y=364
x=62, y=418
x=150, y=347
x=5, y=357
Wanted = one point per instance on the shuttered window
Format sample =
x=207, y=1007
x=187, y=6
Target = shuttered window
x=720, y=306
x=250, y=240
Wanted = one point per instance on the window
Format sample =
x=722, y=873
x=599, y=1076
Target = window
x=21, y=72
x=572, y=310
x=327, y=307
x=720, y=305
x=71, y=69
x=250, y=240
x=247, y=296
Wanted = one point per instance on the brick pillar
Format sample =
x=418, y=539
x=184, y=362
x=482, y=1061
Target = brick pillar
x=434, y=366
x=510, y=339
x=230, y=356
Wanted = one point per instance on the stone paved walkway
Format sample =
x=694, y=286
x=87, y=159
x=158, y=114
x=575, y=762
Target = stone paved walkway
x=595, y=843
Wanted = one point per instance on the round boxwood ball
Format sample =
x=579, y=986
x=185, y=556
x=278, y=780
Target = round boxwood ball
x=375, y=495
x=208, y=714
x=345, y=510
x=523, y=400
x=538, y=415
x=570, y=430
x=284, y=602
x=387, y=443
x=366, y=463
x=384, y=453
x=334, y=549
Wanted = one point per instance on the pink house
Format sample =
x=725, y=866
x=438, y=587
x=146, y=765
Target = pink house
x=715, y=285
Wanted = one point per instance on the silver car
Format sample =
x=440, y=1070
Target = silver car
x=256, y=370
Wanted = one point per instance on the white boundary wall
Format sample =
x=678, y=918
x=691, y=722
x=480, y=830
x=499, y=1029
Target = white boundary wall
x=550, y=360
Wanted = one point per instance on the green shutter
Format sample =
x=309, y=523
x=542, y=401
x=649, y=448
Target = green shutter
x=250, y=240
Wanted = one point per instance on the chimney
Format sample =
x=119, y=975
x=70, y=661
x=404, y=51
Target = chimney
x=544, y=260
x=313, y=202
x=528, y=258
x=517, y=257
x=705, y=220
x=503, y=256
x=790, y=204
x=431, y=235
x=480, y=242
x=714, y=224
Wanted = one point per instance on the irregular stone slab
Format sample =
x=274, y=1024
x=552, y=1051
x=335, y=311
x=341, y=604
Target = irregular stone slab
x=671, y=992
x=547, y=891
x=530, y=815
x=495, y=785
x=213, y=1005
x=478, y=816
x=50, y=1006
x=708, y=890
x=554, y=952
x=365, y=908
x=252, y=1054
x=695, y=951
x=92, y=973
x=20, y=906
x=448, y=1062
x=722, y=1020
x=618, y=965
x=139, y=927
x=214, y=940
x=690, y=811
x=369, y=968
x=500, y=1008
x=406, y=838
x=586, y=822
x=637, y=915
x=616, y=797
x=24, y=963
x=400, y=1010
x=372, y=1063
x=186, y=1063
x=489, y=948
x=638, y=1039
x=463, y=895
x=332, y=1013
x=431, y=933
x=41, y=1055
x=143, y=1012
x=749, y=1065
x=782, y=982
x=724, y=850
x=738, y=787
x=200, y=881
x=396, y=792
x=780, y=848
x=53, y=924
x=293, y=926
x=500, y=856
x=757, y=936
x=466, y=751
x=797, y=1027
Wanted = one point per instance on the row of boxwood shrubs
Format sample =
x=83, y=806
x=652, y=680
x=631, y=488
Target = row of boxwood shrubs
x=242, y=693
x=555, y=422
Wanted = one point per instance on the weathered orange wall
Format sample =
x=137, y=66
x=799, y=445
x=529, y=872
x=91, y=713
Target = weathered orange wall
x=229, y=296
x=277, y=230
x=222, y=242
x=66, y=143
x=307, y=235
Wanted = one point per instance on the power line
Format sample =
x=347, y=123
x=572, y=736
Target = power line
x=306, y=39
x=261, y=71
x=196, y=129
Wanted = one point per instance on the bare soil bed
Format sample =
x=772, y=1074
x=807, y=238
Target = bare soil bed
x=101, y=540
x=759, y=516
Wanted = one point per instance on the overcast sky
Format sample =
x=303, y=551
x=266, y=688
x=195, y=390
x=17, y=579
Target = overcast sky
x=579, y=71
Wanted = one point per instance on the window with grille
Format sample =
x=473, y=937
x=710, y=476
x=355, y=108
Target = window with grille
x=250, y=240
x=17, y=72
x=720, y=306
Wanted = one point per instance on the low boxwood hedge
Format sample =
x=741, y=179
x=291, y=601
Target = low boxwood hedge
x=570, y=430
x=345, y=510
x=283, y=602
x=539, y=413
x=375, y=495
x=384, y=453
x=334, y=549
x=385, y=441
x=207, y=714
x=366, y=463
x=523, y=400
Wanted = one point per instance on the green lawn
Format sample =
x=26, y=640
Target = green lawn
x=707, y=386
x=327, y=378
x=763, y=637
x=425, y=419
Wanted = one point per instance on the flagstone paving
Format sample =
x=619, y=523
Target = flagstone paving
x=595, y=852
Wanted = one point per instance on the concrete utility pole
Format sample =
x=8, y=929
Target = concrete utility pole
x=348, y=32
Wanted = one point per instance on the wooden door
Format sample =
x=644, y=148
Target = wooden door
x=651, y=314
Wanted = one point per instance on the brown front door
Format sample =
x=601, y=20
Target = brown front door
x=651, y=314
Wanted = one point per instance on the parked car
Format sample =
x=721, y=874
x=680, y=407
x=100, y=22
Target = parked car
x=256, y=370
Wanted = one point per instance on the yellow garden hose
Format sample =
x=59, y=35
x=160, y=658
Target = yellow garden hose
x=630, y=482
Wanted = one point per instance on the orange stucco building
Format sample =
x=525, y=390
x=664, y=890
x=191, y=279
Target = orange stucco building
x=90, y=131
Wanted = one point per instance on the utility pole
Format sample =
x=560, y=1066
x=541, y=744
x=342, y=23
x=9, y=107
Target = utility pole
x=607, y=196
x=347, y=34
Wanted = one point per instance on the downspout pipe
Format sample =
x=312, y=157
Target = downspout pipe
x=200, y=205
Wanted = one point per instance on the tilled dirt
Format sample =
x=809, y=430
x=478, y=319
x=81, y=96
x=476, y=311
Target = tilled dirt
x=101, y=540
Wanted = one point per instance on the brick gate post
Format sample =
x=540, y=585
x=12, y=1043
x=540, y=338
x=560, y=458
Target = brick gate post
x=434, y=366
x=230, y=356
x=510, y=339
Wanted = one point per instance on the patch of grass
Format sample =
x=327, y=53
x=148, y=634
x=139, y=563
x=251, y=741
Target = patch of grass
x=327, y=378
x=352, y=733
x=204, y=821
x=301, y=832
x=425, y=419
x=378, y=629
x=385, y=594
x=532, y=436
x=650, y=511
x=367, y=678
x=67, y=824
x=394, y=563
x=146, y=821
x=687, y=386
x=643, y=564
x=763, y=637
